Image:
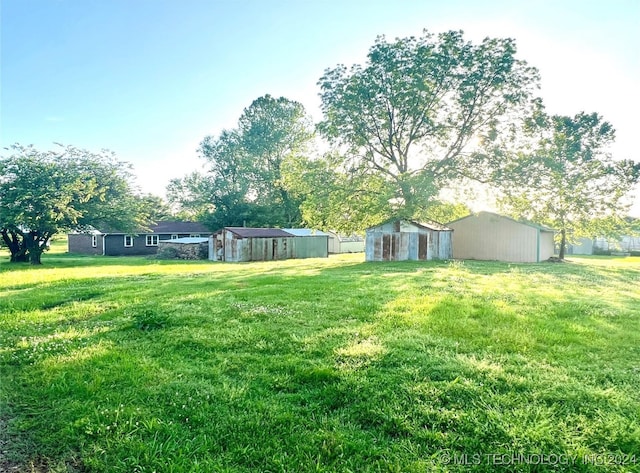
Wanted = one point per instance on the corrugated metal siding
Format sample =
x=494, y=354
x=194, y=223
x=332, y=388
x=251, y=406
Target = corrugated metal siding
x=489, y=237
x=311, y=247
x=400, y=241
x=273, y=248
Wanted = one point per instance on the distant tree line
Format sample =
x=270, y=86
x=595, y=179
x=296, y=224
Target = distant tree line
x=422, y=115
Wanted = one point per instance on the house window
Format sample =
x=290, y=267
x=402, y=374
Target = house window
x=152, y=240
x=174, y=237
x=94, y=241
x=128, y=241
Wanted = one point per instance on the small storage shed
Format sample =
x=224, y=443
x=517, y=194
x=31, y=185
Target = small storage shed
x=309, y=243
x=493, y=237
x=234, y=244
x=345, y=244
x=399, y=240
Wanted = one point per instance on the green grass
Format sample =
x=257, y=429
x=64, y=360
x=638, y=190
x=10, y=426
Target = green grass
x=138, y=365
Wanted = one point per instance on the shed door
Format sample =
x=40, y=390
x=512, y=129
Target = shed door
x=423, y=246
x=386, y=247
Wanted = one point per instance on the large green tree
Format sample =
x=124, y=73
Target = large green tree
x=335, y=199
x=156, y=209
x=412, y=112
x=242, y=183
x=45, y=193
x=561, y=174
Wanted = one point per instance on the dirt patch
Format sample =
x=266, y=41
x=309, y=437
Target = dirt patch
x=555, y=259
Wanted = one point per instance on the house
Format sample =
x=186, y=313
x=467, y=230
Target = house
x=489, y=236
x=235, y=244
x=115, y=243
x=399, y=240
x=345, y=244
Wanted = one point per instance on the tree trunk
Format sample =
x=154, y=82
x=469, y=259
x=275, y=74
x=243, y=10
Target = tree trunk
x=36, y=245
x=35, y=257
x=408, y=208
x=17, y=248
x=21, y=257
x=563, y=243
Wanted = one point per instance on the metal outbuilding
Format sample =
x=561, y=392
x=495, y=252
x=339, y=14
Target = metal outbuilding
x=399, y=240
x=493, y=237
x=234, y=244
x=339, y=243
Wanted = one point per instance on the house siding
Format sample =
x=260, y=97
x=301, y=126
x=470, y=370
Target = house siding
x=115, y=244
x=81, y=243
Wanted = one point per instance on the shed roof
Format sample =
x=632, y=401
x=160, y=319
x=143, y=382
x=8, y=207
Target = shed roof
x=179, y=227
x=426, y=225
x=244, y=232
x=537, y=226
x=305, y=232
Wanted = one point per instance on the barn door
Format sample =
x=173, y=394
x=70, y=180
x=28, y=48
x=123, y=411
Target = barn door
x=423, y=246
x=386, y=247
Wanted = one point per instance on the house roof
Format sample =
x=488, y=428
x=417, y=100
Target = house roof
x=163, y=227
x=305, y=232
x=179, y=227
x=244, y=232
x=426, y=225
x=542, y=228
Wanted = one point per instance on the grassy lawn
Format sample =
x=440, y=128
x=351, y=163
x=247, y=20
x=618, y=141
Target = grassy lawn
x=137, y=365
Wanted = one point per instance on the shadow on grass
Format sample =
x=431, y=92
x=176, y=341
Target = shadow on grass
x=306, y=365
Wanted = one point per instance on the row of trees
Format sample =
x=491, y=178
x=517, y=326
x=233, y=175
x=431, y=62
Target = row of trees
x=243, y=183
x=45, y=193
x=422, y=115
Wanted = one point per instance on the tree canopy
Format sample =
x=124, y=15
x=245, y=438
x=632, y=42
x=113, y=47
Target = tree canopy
x=410, y=115
x=242, y=183
x=44, y=193
x=562, y=175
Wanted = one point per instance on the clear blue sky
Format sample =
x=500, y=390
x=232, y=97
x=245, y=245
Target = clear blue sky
x=149, y=79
